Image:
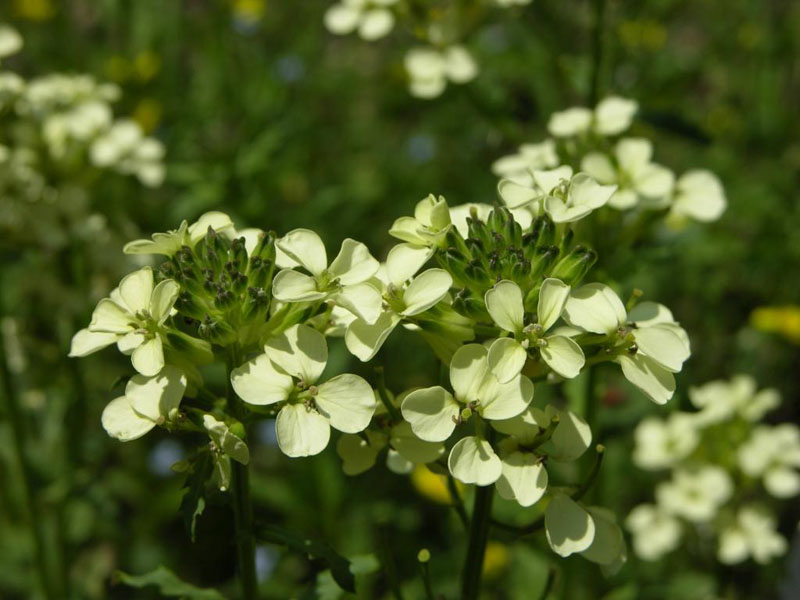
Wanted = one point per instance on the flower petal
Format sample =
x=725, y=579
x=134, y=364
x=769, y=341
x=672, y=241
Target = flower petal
x=361, y=299
x=136, y=289
x=411, y=447
x=215, y=219
x=650, y=377
x=300, y=351
x=553, y=296
x=468, y=369
x=608, y=543
x=426, y=290
x=585, y=191
x=506, y=358
x=342, y=19
x=663, y=345
x=301, y=431
x=306, y=249
x=472, y=460
x=515, y=195
x=258, y=382
x=504, y=303
x=162, y=300
x=563, y=355
x=122, y=422
x=504, y=400
x=347, y=401
x=596, y=308
x=431, y=412
x=571, y=437
x=86, y=342
x=358, y=455
x=375, y=24
x=568, y=526
x=364, y=340
x=226, y=440
x=293, y=286
x=155, y=397
x=524, y=478
x=148, y=358
x=354, y=264
x=110, y=317
x=404, y=260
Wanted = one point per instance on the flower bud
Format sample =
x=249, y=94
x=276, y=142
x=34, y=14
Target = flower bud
x=265, y=249
x=216, y=332
x=542, y=261
x=187, y=305
x=470, y=306
x=573, y=268
x=238, y=256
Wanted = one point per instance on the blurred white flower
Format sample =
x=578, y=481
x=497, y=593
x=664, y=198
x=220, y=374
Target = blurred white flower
x=655, y=532
x=699, y=195
x=773, y=454
x=752, y=533
x=429, y=69
x=10, y=41
x=372, y=18
x=611, y=116
x=518, y=167
x=695, y=494
x=662, y=443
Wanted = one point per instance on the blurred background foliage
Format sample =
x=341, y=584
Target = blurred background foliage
x=267, y=116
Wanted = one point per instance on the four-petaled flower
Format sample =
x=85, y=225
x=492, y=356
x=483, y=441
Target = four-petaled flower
x=661, y=345
x=133, y=317
x=507, y=356
x=434, y=412
x=287, y=373
x=343, y=281
x=372, y=18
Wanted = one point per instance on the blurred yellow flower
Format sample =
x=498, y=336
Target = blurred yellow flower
x=495, y=560
x=783, y=320
x=147, y=64
x=248, y=11
x=147, y=114
x=34, y=10
x=432, y=486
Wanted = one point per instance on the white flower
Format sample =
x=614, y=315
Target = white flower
x=695, y=494
x=429, y=69
x=433, y=412
x=225, y=440
x=517, y=167
x=371, y=18
x=428, y=226
x=720, y=401
x=773, y=454
x=404, y=295
x=10, y=41
x=562, y=195
x=343, y=281
x=133, y=317
x=568, y=526
x=186, y=235
x=507, y=356
x=611, y=116
x=752, y=533
x=524, y=477
x=662, y=443
x=287, y=373
x=148, y=401
x=655, y=532
x=608, y=545
x=662, y=346
x=699, y=195
x=640, y=181
x=125, y=148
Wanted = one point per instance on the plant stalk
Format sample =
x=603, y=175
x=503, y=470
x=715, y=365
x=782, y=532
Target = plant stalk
x=478, y=537
x=242, y=504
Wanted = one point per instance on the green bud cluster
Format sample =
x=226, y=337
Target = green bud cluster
x=500, y=249
x=223, y=290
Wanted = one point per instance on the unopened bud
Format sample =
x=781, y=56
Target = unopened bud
x=573, y=268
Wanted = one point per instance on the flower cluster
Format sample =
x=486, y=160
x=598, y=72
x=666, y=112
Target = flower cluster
x=500, y=303
x=725, y=468
x=593, y=142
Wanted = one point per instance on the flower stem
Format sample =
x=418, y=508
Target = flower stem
x=478, y=537
x=242, y=503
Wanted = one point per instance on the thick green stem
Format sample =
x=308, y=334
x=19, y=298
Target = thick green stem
x=30, y=501
x=242, y=504
x=597, y=50
x=478, y=537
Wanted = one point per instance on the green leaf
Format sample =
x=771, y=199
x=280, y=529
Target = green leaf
x=168, y=584
x=339, y=566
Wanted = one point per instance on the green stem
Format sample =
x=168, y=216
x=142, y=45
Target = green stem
x=457, y=502
x=29, y=499
x=597, y=50
x=242, y=503
x=478, y=537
